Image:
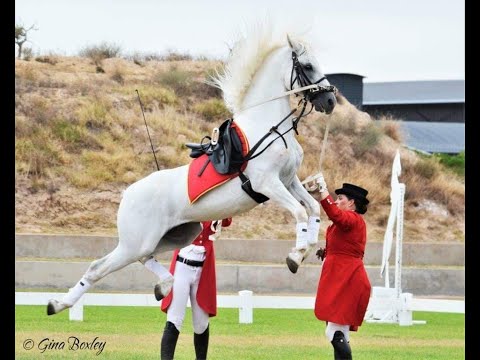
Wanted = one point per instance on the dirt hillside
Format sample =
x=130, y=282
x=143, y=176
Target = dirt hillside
x=80, y=140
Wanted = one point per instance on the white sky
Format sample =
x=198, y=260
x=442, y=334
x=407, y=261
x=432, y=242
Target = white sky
x=383, y=40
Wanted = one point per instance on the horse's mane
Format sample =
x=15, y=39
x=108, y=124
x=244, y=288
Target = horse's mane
x=246, y=57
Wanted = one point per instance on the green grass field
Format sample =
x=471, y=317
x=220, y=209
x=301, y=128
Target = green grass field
x=135, y=332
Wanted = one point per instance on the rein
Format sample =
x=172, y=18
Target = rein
x=274, y=129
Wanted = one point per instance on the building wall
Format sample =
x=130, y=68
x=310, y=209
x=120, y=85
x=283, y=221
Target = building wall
x=350, y=85
x=419, y=112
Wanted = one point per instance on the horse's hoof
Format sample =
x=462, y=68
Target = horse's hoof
x=294, y=259
x=55, y=306
x=292, y=265
x=163, y=288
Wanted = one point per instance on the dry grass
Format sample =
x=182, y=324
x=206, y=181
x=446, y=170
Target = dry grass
x=81, y=139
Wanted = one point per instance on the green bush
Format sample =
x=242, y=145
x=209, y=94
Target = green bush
x=456, y=163
x=150, y=95
x=367, y=140
x=66, y=131
x=177, y=80
x=212, y=109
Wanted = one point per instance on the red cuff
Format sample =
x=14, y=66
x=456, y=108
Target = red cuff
x=226, y=222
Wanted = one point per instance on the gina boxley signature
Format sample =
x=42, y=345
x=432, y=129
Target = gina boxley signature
x=73, y=343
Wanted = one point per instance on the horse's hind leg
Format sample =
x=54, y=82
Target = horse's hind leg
x=165, y=283
x=98, y=269
x=177, y=237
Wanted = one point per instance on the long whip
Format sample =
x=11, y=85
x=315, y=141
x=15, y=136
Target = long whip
x=149, y=138
x=312, y=178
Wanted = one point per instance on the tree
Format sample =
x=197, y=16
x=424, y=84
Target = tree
x=21, y=33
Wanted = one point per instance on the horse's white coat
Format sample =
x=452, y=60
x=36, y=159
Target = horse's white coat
x=154, y=205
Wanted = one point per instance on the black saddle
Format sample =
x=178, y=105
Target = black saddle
x=226, y=155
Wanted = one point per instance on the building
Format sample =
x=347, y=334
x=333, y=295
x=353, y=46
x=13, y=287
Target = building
x=431, y=101
x=350, y=85
x=432, y=112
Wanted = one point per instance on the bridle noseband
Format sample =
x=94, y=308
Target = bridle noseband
x=304, y=80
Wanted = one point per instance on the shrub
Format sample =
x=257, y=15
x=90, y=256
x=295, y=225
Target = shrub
x=392, y=129
x=93, y=114
x=367, y=140
x=212, y=109
x=27, y=54
x=37, y=109
x=117, y=76
x=66, y=131
x=455, y=163
x=178, y=80
x=47, y=59
x=151, y=96
x=36, y=155
x=426, y=167
x=100, y=52
x=173, y=55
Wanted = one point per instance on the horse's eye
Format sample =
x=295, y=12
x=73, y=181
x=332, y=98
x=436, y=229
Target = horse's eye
x=308, y=67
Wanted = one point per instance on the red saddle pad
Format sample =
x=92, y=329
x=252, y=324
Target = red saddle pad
x=210, y=179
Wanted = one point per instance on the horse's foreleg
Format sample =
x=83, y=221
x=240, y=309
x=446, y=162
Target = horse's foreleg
x=98, y=269
x=277, y=192
x=313, y=210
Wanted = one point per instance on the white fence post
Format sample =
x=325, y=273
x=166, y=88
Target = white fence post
x=245, y=314
x=405, y=317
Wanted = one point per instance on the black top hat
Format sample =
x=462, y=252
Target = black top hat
x=353, y=191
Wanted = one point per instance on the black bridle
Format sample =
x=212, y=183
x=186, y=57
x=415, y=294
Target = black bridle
x=304, y=80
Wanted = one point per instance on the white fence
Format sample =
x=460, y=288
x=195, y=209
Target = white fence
x=245, y=301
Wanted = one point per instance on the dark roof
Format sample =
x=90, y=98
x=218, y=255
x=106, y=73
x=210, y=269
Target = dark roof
x=344, y=74
x=434, y=137
x=414, y=92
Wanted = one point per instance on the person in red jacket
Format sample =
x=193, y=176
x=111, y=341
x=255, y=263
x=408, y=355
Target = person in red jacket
x=193, y=268
x=344, y=289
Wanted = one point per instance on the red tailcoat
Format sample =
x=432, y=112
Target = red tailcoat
x=207, y=286
x=344, y=289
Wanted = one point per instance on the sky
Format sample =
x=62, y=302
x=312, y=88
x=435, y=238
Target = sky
x=382, y=40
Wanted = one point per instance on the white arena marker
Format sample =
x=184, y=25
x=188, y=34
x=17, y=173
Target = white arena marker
x=245, y=307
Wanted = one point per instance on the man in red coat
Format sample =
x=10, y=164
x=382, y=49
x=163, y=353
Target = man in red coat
x=344, y=288
x=194, y=277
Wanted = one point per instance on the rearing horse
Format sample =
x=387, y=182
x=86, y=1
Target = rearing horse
x=155, y=214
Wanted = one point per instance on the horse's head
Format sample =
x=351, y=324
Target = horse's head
x=305, y=71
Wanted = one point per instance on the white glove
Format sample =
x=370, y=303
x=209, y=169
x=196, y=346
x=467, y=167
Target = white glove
x=322, y=185
x=216, y=227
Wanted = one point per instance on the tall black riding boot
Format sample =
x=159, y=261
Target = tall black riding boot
x=169, y=341
x=341, y=347
x=200, y=341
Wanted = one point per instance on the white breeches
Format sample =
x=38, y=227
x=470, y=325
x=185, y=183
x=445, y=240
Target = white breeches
x=332, y=327
x=185, y=285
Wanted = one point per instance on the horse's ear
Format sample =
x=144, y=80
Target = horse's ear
x=295, y=45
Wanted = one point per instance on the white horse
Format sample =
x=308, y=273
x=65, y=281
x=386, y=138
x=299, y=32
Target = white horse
x=155, y=214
